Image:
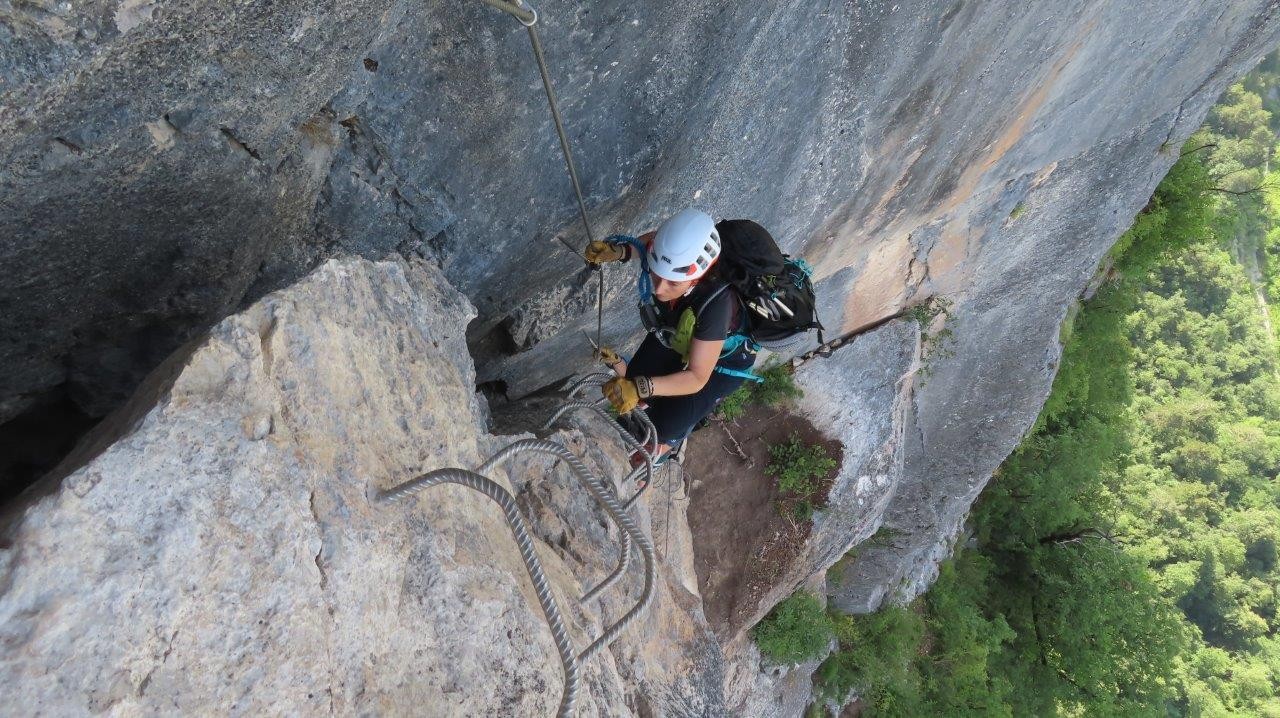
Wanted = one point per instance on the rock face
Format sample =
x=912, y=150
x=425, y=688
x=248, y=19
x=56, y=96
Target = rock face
x=162, y=163
x=889, y=147
x=214, y=550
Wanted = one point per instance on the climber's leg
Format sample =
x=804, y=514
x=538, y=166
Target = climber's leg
x=653, y=359
x=675, y=416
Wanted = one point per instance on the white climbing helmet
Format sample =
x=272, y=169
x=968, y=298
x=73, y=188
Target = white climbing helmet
x=686, y=246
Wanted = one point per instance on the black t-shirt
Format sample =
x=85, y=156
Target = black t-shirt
x=720, y=318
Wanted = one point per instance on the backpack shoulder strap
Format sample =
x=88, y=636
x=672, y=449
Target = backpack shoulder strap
x=710, y=298
x=737, y=337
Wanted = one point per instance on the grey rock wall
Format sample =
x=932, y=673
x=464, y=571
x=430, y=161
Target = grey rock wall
x=163, y=163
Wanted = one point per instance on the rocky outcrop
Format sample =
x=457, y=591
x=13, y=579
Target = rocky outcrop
x=862, y=395
x=750, y=556
x=214, y=549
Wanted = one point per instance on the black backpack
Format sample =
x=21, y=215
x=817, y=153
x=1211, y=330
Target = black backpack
x=776, y=290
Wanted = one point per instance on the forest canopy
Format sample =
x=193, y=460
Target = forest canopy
x=1125, y=559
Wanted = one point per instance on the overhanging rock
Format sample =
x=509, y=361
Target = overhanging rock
x=862, y=395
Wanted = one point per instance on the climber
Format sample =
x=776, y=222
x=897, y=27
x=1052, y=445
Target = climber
x=696, y=352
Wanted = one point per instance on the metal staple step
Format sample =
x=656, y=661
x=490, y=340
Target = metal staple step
x=629, y=531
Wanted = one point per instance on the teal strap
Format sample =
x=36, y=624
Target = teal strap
x=644, y=285
x=742, y=373
x=735, y=342
x=732, y=344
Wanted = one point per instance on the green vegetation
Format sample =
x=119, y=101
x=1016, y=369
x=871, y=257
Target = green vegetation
x=935, y=337
x=1199, y=501
x=795, y=631
x=800, y=470
x=1127, y=557
x=875, y=657
x=778, y=387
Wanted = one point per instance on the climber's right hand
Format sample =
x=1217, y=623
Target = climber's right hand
x=599, y=252
x=625, y=394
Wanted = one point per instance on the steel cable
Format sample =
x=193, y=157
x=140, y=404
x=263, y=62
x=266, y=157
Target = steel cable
x=588, y=481
x=628, y=529
x=625, y=523
x=651, y=431
x=635, y=474
x=536, y=43
x=574, y=386
x=627, y=438
x=541, y=587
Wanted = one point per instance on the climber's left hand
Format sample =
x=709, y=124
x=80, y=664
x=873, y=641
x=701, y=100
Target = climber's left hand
x=608, y=357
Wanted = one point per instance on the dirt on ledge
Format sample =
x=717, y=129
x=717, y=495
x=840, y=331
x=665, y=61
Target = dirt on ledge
x=742, y=545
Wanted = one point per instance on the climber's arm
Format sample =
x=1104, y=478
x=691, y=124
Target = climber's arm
x=703, y=356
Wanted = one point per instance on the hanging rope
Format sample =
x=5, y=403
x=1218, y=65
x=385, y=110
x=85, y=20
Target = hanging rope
x=529, y=18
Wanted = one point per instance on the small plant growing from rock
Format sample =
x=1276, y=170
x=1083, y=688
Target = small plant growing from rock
x=799, y=469
x=933, y=344
x=778, y=387
x=735, y=405
x=796, y=630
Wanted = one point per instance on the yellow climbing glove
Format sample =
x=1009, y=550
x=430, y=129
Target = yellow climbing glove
x=625, y=394
x=599, y=252
x=608, y=356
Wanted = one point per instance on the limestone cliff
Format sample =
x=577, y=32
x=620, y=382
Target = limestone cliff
x=165, y=164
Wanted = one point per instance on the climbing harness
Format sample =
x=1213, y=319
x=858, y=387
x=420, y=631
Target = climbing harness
x=529, y=18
